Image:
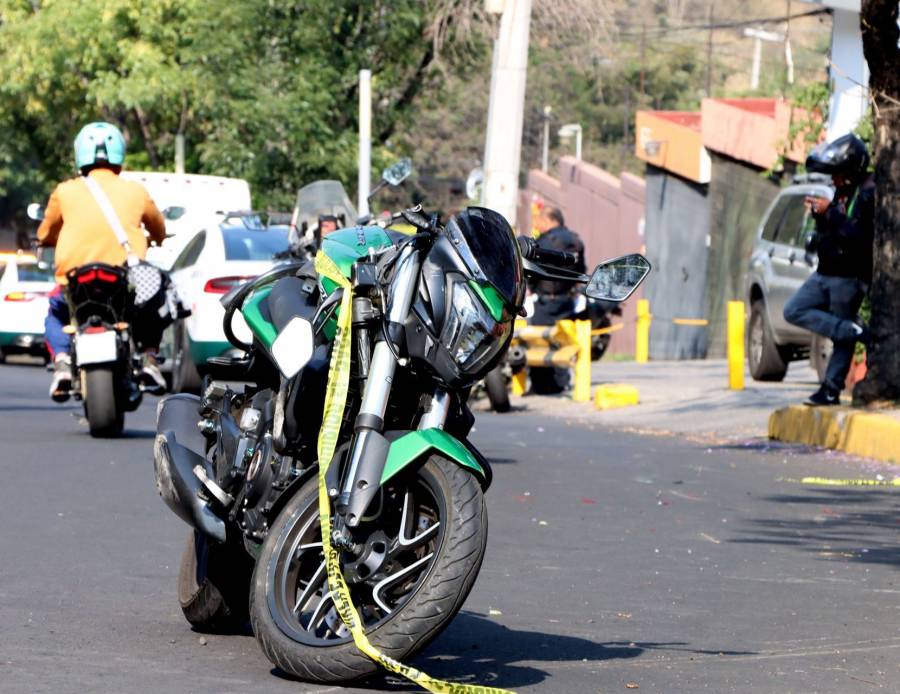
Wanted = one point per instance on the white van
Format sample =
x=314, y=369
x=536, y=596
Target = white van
x=191, y=203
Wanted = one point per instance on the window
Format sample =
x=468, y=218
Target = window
x=793, y=223
x=253, y=244
x=771, y=227
x=34, y=273
x=191, y=252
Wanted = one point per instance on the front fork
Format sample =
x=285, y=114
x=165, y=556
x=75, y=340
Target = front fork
x=369, y=449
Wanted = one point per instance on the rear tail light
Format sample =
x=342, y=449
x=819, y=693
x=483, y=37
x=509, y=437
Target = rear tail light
x=24, y=296
x=91, y=329
x=223, y=285
x=97, y=274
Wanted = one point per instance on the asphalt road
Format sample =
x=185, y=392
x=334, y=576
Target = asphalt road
x=614, y=560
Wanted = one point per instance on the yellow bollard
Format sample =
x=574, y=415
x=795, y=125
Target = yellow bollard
x=582, y=390
x=519, y=382
x=642, y=339
x=736, y=345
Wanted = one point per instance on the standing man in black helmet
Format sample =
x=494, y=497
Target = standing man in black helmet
x=555, y=299
x=828, y=302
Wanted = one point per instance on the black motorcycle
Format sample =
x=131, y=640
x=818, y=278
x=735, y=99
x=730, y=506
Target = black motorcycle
x=375, y=348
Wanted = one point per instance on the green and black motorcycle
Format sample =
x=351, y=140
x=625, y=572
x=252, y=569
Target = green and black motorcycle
x=432, y=313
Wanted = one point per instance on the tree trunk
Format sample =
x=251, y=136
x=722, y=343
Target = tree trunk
x=878, y=19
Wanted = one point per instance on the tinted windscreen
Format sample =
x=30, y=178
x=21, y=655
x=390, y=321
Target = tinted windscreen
x=493, y=249
x=251, y=244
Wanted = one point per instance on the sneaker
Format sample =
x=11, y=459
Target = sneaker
x=862, y=334
x=151, y=377
x=61, y=385
x=825, y=396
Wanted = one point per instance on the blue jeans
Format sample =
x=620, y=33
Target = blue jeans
x=828, y=306
x=57, y=318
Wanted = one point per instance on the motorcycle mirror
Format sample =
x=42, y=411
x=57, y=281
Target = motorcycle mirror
x=616, y=279
x=397, y=173
x=35, y=211
x=174, y=212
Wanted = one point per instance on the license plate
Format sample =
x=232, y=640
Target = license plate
x=95, y=348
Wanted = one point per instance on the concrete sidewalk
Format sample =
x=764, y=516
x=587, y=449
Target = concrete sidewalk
x=685, y=397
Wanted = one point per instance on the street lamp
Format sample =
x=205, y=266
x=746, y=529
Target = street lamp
x=545, y=145
x=567, y=131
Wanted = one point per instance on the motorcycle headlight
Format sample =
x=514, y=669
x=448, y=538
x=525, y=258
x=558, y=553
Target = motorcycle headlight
x=471, y=334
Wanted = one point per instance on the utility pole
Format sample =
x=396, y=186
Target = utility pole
x=545, y=145
x=179, y=153
x=709, y=49
x=503, y=146
x=788, y=54
x=759, y=35
x=365, y=141
x=643, y=56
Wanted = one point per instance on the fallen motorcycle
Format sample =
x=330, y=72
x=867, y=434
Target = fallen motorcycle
x=388, y=332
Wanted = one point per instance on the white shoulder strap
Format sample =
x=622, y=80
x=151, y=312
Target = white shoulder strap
x=111, y=218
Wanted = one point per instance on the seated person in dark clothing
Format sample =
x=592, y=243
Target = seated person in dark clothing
x=555, y=299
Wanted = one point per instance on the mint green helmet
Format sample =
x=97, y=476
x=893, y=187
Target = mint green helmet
x=99, y=142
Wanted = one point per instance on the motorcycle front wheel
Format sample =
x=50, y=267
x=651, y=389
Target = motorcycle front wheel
x=423, y=543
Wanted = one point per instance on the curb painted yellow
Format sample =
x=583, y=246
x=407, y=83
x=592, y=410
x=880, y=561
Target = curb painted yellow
x=867, y=434
x=612, y=395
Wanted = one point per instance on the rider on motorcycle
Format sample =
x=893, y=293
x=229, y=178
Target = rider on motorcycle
x=75, y=225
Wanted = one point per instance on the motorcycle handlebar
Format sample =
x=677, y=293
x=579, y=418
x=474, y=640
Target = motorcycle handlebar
x=545, y=256
x=416, y=218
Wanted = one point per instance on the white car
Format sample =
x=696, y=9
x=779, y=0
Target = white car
x=25, y=286
x=189, y=202
x=214, y=261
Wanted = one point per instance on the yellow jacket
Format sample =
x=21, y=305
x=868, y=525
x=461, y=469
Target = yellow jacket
x=74, y=223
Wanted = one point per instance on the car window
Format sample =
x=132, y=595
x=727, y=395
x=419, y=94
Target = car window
x=191, y=252
x=253, y=244
x=771, y=226
x=791, y=228
x=34, y=273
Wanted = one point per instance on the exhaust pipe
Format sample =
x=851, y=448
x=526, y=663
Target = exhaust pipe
x=176, y=452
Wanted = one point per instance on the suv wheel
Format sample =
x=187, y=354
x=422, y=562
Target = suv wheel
x=766, y=361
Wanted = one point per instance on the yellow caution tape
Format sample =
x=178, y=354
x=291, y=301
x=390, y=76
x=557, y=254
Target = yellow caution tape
x=831, y=482
x=335, y=401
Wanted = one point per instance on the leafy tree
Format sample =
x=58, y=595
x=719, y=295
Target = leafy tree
x=880, y=44
x=261, y=90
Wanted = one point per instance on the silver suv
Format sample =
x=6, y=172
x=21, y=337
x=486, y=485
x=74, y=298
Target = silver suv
x=778, y=266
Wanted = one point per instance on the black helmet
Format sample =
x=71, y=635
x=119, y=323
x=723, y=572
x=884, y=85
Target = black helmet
x=846, y=156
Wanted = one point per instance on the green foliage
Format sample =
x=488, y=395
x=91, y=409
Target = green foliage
x=261, y=90
x=809, y=117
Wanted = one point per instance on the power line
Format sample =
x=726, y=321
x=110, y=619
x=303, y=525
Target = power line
x=726, y=25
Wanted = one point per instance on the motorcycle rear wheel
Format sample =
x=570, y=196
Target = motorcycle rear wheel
x=425, y=544
x=102, y=408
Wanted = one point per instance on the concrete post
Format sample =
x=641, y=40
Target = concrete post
x=365, y=141
x=179, y=153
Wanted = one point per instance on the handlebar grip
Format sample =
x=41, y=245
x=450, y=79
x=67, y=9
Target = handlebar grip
x=546, y=256
x=416, y=219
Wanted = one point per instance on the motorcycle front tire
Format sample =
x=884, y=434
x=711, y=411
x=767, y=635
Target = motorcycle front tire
x=214, y=585
x=420, y=619
x=102, y=406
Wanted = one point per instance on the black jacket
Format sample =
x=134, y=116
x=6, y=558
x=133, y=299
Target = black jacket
x=844, y=234
x=559, y=239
